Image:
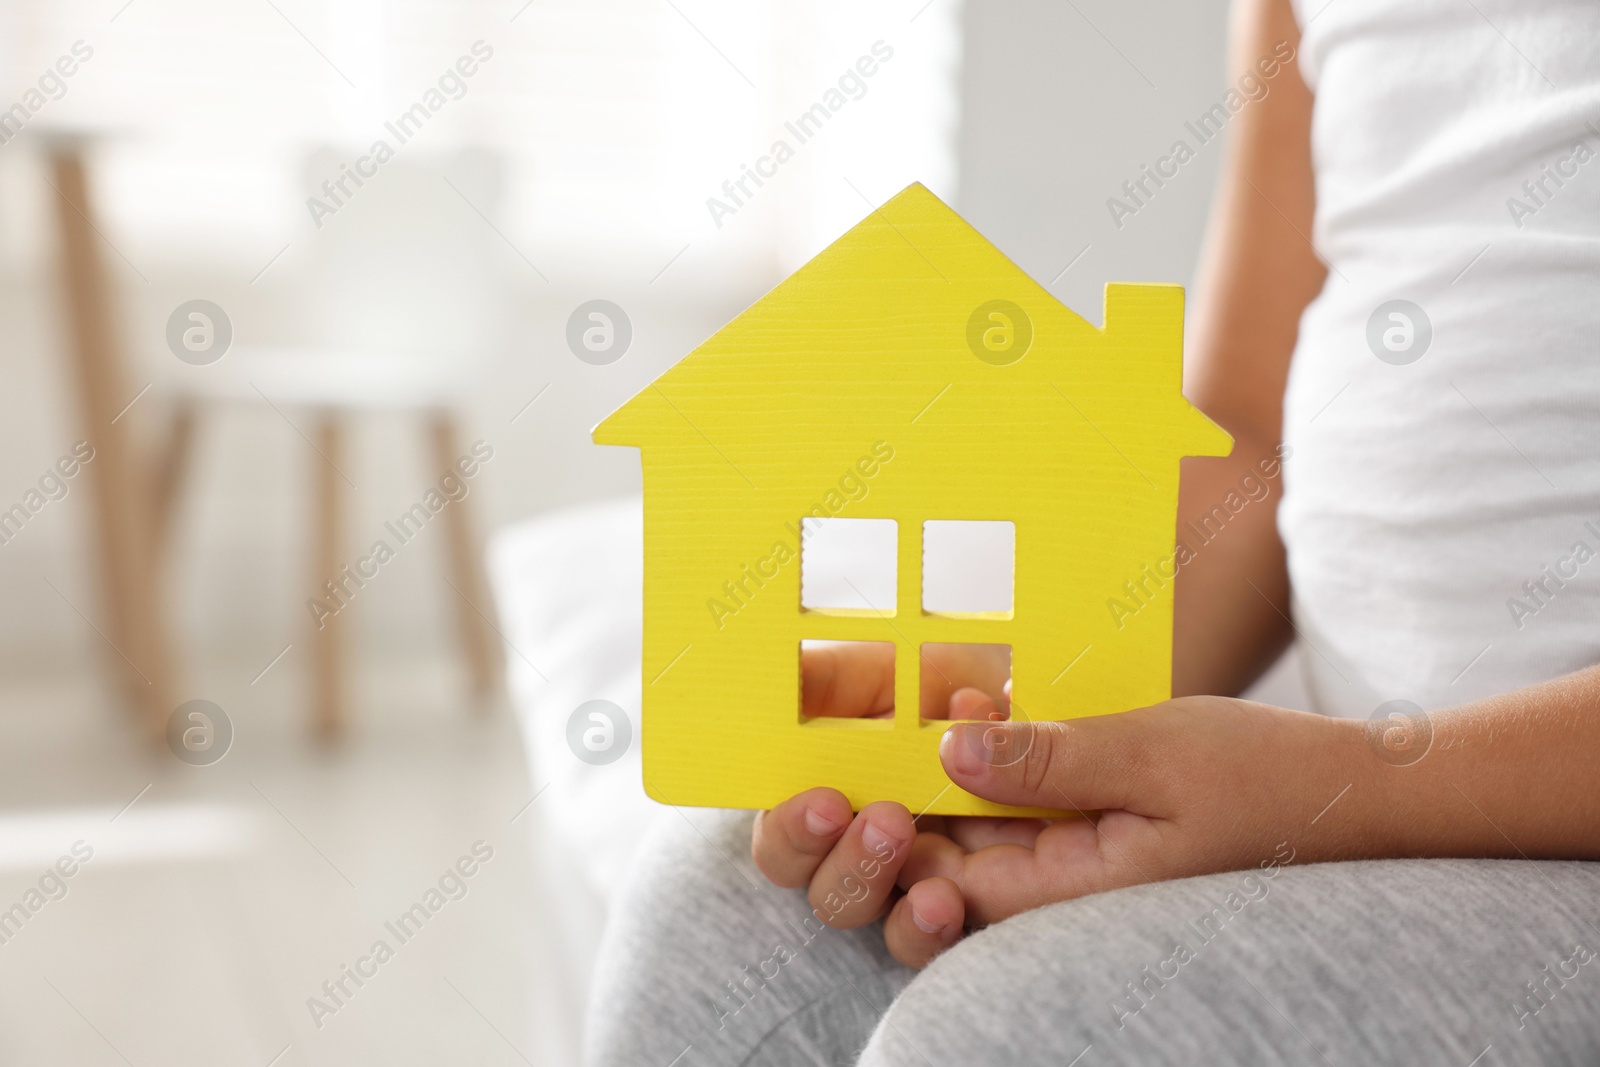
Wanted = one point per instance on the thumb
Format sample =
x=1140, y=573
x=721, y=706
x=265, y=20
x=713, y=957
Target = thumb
x=1098, y=763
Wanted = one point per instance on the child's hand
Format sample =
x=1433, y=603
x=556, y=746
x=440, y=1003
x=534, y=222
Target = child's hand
x=1182, y=788
x=850, y=862
x=813, y=840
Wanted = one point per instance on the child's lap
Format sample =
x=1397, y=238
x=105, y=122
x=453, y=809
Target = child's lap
x=1395, y=961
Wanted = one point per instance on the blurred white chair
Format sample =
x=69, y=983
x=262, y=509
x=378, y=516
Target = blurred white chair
x=404, y=303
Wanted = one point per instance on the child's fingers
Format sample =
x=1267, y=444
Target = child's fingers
x=925, y=922
x=1105, y=761
x=933, y=855
x=791, y=840
x=975, y=832
x=1069, y=859
x=947, y=668
x=847, y=680
x=970, y=702
x=852, y=883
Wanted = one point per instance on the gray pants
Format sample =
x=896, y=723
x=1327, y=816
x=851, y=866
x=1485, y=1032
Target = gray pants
x=1450, y=962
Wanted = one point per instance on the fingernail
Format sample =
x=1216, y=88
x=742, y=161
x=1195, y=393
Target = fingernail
x=877, y=842
x=923, y=924
x=961, y=749
x=819, y=823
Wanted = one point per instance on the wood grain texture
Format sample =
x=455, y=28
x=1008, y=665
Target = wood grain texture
x=851, y=390
x=329, y=678
x=127, y=527
x=468, y=578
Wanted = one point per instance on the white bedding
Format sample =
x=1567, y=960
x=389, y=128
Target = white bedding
x=568, y=589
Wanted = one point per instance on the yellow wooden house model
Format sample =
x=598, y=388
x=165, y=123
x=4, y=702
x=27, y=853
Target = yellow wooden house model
x=910, y=348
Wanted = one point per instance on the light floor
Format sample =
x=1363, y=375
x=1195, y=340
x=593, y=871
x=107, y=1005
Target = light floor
x=221, y=898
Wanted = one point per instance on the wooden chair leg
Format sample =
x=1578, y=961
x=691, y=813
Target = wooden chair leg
x=131, y=573
x=166, y=480
x=328, y=677
x=473, y=607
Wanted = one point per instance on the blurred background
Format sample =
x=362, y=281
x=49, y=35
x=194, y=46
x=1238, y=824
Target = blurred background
x=279, y=339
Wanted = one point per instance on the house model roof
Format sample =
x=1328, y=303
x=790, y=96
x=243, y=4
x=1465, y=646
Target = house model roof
x=878, y=323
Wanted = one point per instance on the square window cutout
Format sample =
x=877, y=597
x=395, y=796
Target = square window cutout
x=848, y=566
x=847, y=683
x=968, y=566
x=964, y=681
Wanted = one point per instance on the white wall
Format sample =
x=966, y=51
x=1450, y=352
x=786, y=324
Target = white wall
x=1058, y=113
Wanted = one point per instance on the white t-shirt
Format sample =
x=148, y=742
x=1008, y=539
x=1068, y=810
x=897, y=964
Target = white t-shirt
x=1442, y=501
